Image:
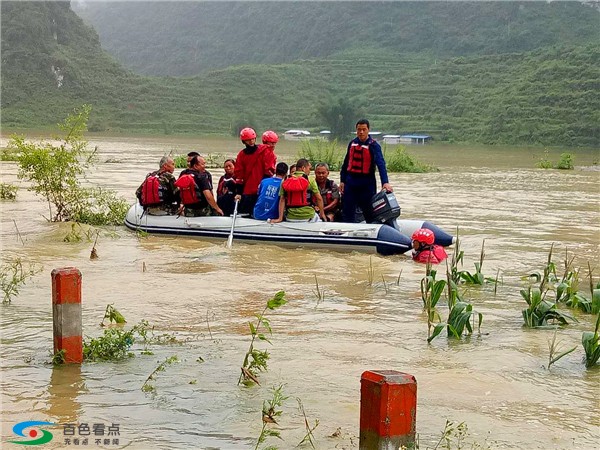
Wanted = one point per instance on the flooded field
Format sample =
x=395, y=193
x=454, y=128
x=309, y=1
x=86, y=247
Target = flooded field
x=496, y=381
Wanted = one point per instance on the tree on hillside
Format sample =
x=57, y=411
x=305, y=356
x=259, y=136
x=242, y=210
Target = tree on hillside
x=340, y=116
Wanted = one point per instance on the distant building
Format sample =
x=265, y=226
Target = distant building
x=406, y=138
x=391, y=138
x=415, y=138
x=295, y=135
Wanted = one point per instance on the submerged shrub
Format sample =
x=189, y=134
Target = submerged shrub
x=8, y=191
x=54, y=172
x=566, y=162
x=400, y=161
x=321, y=151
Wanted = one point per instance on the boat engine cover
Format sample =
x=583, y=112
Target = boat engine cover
x=385, y=207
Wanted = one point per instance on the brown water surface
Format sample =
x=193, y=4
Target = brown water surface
x=496, y=382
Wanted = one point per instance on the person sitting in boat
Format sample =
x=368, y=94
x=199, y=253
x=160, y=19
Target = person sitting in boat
x=158, y=193
x=293, y=197
x=195, y=186
x=253, y=163
x=424, y=249
x=226, y=188
x=329, y=192
x=190, y=155
x=267, y=205
x=292, y=170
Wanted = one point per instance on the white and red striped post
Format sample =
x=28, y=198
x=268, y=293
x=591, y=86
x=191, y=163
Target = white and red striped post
x=66, y=313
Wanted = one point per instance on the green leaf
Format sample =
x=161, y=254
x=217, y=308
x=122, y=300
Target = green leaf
x=436, y=331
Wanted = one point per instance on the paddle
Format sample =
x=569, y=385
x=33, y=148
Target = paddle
x=230, y=238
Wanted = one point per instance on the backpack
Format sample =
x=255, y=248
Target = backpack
x=153, y=191
x=295, y=191
x=188, y=189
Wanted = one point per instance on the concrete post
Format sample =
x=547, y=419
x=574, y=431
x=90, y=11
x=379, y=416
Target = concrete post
x=66, y=313
x=388, y=410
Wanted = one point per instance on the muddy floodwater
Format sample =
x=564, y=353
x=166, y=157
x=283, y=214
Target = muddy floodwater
x=205, y=295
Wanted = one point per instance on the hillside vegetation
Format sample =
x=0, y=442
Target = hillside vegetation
x=186, y=38
x=547, y=96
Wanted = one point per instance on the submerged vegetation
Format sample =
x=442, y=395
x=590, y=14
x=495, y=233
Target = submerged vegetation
x=566, y=162
x=8, y=191
x=13, y=275
x=55, y=172
x=256, y=360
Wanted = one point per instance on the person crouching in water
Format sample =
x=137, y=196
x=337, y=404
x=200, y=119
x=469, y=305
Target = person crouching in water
x=293, y=195
x=195, y=187
x=424, y=249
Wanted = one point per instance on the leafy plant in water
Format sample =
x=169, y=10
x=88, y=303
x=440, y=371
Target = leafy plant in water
x=113, y=345
x=457, y=258
x=457, y=437
x=59, y=357
x=270, y=413
x=113, y=315
x=309, y=436
x=8, y=191
x=12, y=276
x=256, y=360
x=477, y=277
x=147, y=386
x=431, y=291
x=554, y=353
x=54, y=173
x=548, y=278
x=565, y=162
x=401, y=161
x=541, y=312
x=320, y=151
x=591, y=345
x=544, y=162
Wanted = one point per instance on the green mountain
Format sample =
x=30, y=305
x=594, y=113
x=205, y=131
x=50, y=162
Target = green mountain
x=186, y=38
x=52, y=62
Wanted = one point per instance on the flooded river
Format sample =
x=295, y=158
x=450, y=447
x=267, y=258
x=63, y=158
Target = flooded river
x=205, y=295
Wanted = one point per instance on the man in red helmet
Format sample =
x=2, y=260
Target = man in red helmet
x=424, y=248
x=253, y=163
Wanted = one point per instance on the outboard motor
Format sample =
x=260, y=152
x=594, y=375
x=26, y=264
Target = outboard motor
x=385, y=208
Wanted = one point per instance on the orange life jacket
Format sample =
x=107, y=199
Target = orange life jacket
x=360, y=158
x=152, y=191
x=295, y=189
x=188, y=189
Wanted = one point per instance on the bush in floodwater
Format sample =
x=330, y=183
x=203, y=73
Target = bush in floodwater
x=566, y=162
x=321, y=151
x=54, y=172
x=400, y=161
x=8, y=191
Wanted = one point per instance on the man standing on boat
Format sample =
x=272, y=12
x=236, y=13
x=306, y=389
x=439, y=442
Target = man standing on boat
x=357, y=175
x=253, y=163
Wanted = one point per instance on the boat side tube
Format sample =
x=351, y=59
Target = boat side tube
x=391, y=242
x=441, y=237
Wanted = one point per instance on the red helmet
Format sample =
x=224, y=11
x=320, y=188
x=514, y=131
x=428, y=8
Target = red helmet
x=247, y=133
x=424, y=236
x=270, y=137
